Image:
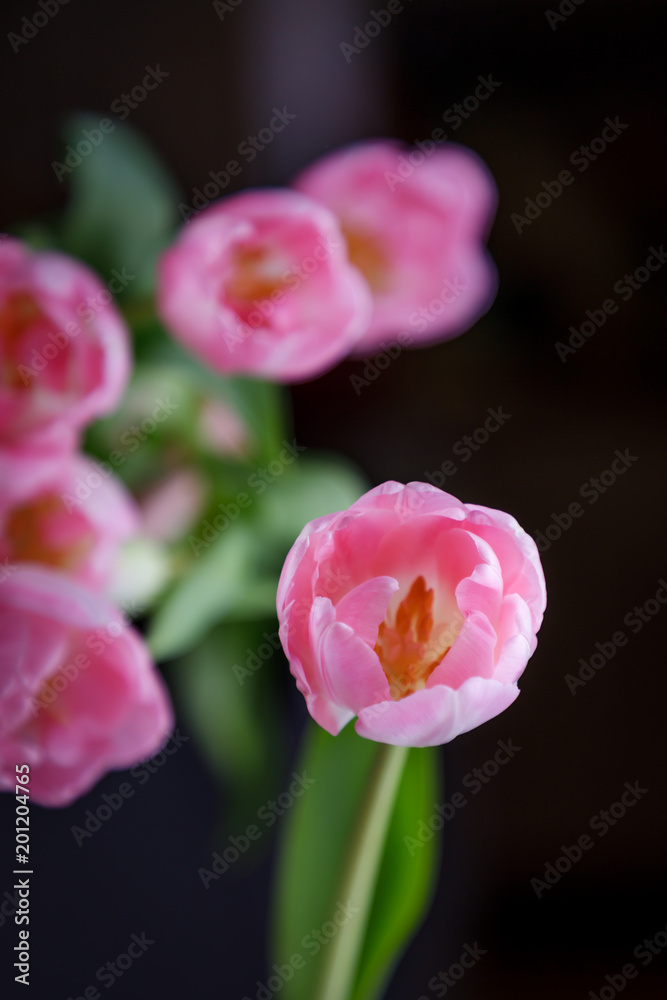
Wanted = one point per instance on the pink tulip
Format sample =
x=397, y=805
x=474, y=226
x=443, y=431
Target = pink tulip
x=78, y=692
x=71, y=515
x=64, y=354
x=222, y=430
x=415, y=221
x=260, y=284
x=411, y=610
x=172, y=504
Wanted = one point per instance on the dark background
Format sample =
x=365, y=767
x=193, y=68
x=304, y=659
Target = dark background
x=605, y=59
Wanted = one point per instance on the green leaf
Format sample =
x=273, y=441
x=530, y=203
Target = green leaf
x=263, y=406
x=211, y=588
x=123, y=207
x=314, y=485
x=233, y=719
x=406, y=881
x=318, y=831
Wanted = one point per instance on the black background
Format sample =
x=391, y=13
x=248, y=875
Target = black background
x=605, y=59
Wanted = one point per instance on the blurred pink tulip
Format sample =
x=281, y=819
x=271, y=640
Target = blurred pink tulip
x=221, y=429
x=78, y=692
x=415, y=222
x=64, y=348
x=411, y=610
x=72, y=515
x=172, y=504
x=260, y=284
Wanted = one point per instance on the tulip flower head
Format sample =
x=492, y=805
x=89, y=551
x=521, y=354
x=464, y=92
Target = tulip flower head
x=412, y=611
x=260, y=284
x=64, y=348
x=50, y=515
x=78, y=692
x=415, y=223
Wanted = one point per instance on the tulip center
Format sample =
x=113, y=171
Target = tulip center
x=406, y=648
x=45, y=700
x=257, y=275
x=17, y=314
x=366, y=253
x=42, y=531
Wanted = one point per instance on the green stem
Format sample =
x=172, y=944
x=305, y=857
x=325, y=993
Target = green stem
x=357, y=885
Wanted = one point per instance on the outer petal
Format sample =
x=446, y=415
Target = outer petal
x=435, y=715
x=305, y=665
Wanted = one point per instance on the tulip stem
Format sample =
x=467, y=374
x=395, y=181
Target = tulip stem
x=357, y=885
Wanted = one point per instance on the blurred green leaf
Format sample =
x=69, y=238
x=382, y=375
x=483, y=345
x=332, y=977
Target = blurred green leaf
x=316, y=837
x=123, y=207
x=211, y=587
x=264, y=407
x=233, y=719
x=314, y=485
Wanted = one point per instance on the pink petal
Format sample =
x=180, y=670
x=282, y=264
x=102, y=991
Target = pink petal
x=352, y=670
x=435, y=715
x=365, y=607
x=472, y=654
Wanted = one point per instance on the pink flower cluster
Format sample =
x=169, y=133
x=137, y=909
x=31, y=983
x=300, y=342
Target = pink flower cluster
x=283, y=284
x=78, y=691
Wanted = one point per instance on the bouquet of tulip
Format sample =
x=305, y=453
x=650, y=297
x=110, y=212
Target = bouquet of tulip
x=155, y=504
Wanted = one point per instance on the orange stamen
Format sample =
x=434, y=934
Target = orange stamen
x=405, y=649
x=366, y=253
